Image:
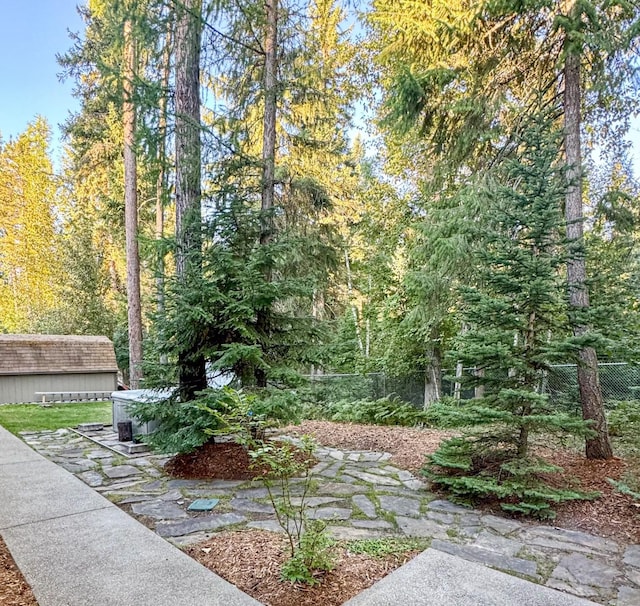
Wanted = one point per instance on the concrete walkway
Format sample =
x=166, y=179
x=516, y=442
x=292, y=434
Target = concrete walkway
x=75, y=547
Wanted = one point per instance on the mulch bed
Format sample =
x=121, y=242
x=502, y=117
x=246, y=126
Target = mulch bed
x=222, y=461
x=225, y=461
x=612, y=514
x=251, y=560
x=14, y=590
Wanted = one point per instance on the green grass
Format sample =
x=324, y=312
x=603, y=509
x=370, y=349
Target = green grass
x=33, y=417
x=381, y=548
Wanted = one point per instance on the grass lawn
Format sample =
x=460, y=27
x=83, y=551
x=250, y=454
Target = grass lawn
x=33, y=417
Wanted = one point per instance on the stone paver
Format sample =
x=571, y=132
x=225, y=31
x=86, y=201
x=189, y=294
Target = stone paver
x=211, y=522
x=632, y=556
x=400, y=505
x=159, y=510
x=330, y=513
x=393, y=501
x=628, y=596
x=364, y=504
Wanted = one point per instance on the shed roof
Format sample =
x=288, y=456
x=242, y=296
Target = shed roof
x=49, y=354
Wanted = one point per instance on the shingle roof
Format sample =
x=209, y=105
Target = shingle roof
x=47, y=354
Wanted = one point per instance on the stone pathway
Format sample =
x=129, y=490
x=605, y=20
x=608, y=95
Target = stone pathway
x=361, y=496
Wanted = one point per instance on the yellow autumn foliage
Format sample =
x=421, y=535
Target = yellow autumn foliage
x=29, y=261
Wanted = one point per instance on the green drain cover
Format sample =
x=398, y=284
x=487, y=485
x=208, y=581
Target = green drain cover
x=203, y=504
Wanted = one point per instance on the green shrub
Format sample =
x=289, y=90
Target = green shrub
x=281, y=405
x=185, y=426
x=309, y=544
x=624, y=420
x=386, y=411
x=472, y=468
x=314, y=554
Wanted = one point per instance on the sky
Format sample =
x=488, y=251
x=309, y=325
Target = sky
x=31, y=33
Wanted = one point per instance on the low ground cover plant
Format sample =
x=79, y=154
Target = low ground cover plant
x=385, y=411
x=381, y=548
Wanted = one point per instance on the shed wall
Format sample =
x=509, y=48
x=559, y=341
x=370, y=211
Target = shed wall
x=22, y=388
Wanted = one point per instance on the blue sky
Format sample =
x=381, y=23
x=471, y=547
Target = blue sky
x=31, y=33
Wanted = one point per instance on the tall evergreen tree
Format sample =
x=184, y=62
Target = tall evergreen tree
x=516, y=321
x=464, y=72
x=191, y=362
x=134, y=306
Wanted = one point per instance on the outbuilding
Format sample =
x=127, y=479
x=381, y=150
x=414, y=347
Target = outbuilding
x=38, y=368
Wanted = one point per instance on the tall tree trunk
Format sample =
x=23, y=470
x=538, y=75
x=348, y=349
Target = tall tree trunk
x=162, y=193
x=269, y=120
x=432, y=379
x=134, y=311
x=457, y=386
x=191, y=363
x=270, y=83
x=317, y=312
x=598, y=447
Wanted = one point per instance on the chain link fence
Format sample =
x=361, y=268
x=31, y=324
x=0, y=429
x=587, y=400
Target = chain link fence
x=618, y=380
x=370, y=386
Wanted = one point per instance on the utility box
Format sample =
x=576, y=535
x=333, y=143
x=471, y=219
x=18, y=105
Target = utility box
x=122, y=401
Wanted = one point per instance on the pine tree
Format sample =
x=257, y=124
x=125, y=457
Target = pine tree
x=517, y=319
x=188, y=157
x=464, y=71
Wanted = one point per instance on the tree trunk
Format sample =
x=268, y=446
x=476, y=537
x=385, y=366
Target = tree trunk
x=457, y=386
x=270, y=83
x=318, y=313
x=269, y=120
x=134, y=311
x=162, y=194
x=191, y=363
x=432, y=380
x=598, y=447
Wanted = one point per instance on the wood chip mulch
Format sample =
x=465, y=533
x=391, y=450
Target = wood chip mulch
x=221, y=461
x=408, y=445
x=251, y=560
x=14, y=590
x=612, y=514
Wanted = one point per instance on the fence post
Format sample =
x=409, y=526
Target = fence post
x=457, y=388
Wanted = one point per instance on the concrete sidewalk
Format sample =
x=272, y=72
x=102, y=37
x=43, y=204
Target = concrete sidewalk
x=435, y=578
x=76, y=548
